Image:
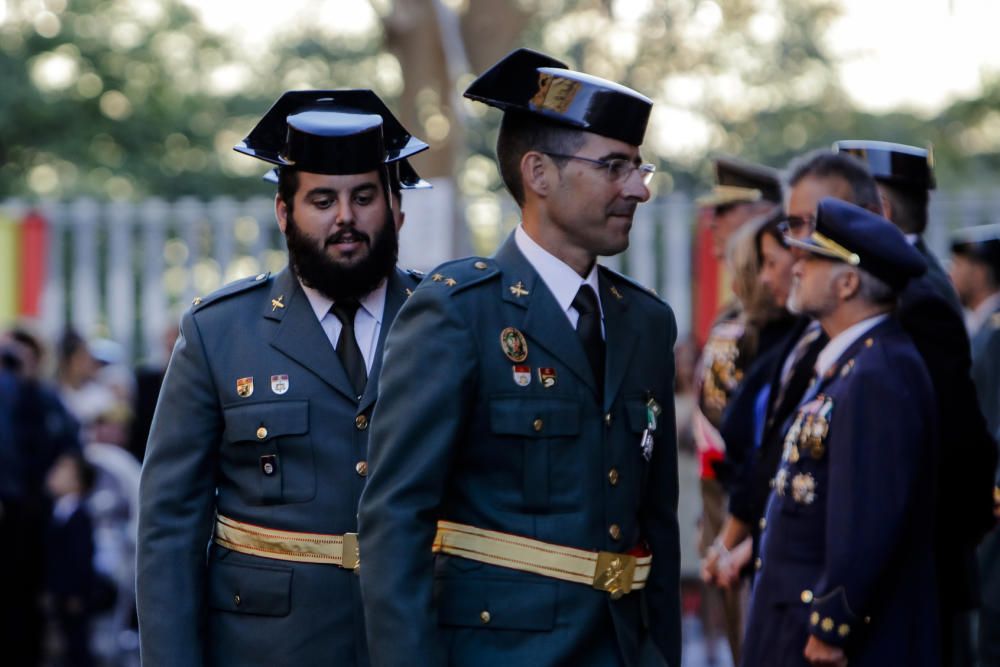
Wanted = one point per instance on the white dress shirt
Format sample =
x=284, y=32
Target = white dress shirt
x=558, y=276
x=367, y=321
x=838, y=344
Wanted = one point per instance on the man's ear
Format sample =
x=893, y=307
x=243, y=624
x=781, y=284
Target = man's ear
x=281, y=212
x=850, y=285
x=534, y=174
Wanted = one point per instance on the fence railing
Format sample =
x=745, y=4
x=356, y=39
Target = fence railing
x=127, y=270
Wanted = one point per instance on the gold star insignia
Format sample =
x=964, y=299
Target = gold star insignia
x=437, y=277
x=196, y=301
x=276, y=303
x=450, y=282
x=518, y=289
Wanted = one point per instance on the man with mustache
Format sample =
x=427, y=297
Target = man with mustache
x=258, y=451
x=521, y=508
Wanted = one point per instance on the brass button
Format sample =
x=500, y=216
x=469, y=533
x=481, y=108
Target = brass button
x=607, y=419
x=615, y=531
x=484, y=616
x=362, y=468
x=261, y=433
x=482, y=267
x=763, y=523
x=806, y=597
x=361, y=422
x=537, y=425
x=613, y=476
x=758, y=564
x=237, y=600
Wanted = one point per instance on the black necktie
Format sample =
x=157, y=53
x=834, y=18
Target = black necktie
x=588, y=327
x=347, y=345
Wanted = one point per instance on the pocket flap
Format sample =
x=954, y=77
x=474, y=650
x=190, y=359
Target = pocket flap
x=498, y=604
x=536, y=418
x=263, y=421
x=250, y=589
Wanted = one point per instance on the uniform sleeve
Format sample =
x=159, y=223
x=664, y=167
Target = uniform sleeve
x=880, y=460
x=176, y=501
x=659, y=524
x=426, y=393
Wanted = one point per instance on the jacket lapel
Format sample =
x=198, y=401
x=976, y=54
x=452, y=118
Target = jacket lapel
x=299, y=336
x=544, y=323
x=621, y=338
x=395, y=297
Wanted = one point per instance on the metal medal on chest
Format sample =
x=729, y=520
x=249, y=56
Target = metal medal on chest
x=244, y=387
x=279, y=384
x=522, y=375
x=514, y=345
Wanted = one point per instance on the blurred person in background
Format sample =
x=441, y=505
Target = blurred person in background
x=148, y=380
x=745, y=415
x=975, y=272
x=37, y=430
x=69, y=556
x=743, y=191
x=114, y=509
x=930, y=313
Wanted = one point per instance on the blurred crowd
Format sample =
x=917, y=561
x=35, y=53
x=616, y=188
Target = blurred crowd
x=74, y=418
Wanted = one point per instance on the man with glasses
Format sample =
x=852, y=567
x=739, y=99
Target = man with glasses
x=846, y=568
x=521, y=507
x=965, y=470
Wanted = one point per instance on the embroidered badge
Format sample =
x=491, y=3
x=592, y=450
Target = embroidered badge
x=244, y=387
x=547, y=376
x=279, y=384
x=513, y=344
x=277, y=303
x=518, y=290
x=555, y=93
x=522, y=375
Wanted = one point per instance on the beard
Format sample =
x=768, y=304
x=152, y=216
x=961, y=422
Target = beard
x=339, y=280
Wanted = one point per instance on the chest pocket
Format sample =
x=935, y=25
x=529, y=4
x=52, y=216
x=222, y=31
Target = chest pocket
x=538, y=418
x=546, y=430
x=272, y=450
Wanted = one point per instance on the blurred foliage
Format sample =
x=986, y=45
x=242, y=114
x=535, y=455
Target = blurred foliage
x=124, y=99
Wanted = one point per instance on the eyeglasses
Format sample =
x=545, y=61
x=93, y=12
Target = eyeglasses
x=797, y=226
x=619, y=169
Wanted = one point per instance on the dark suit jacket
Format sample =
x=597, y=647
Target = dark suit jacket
x=204, y=456
x=968, y=451
x=846, y=553
x=454, y=439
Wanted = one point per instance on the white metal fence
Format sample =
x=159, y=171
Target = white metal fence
x=126, y=271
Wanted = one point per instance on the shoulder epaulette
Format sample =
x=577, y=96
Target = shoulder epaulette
x=621, y=278
x=413, y=273
x=460, y=274
x=232, y=288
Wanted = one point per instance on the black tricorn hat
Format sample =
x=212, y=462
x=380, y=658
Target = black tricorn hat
x=895, y=164
x=405, y=175
x=980, y=243
x=330, y=132
x=534, y=83
x=737, y=181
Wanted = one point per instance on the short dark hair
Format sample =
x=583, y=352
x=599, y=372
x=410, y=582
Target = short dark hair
x=825, y=164
x=288, y=185
x=909, y=207
x=520, y=133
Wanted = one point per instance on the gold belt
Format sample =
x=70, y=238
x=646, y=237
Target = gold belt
x=256, y=540
x=615, y=573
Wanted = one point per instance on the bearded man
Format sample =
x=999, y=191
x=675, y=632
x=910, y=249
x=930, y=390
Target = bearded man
x=257, y=453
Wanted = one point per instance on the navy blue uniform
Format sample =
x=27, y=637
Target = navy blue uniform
x=846, y=553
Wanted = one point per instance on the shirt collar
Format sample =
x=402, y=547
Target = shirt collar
x=373, y=302
x=839, y=343
x=977, y=318
x=912, y=238
x=558, y=276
